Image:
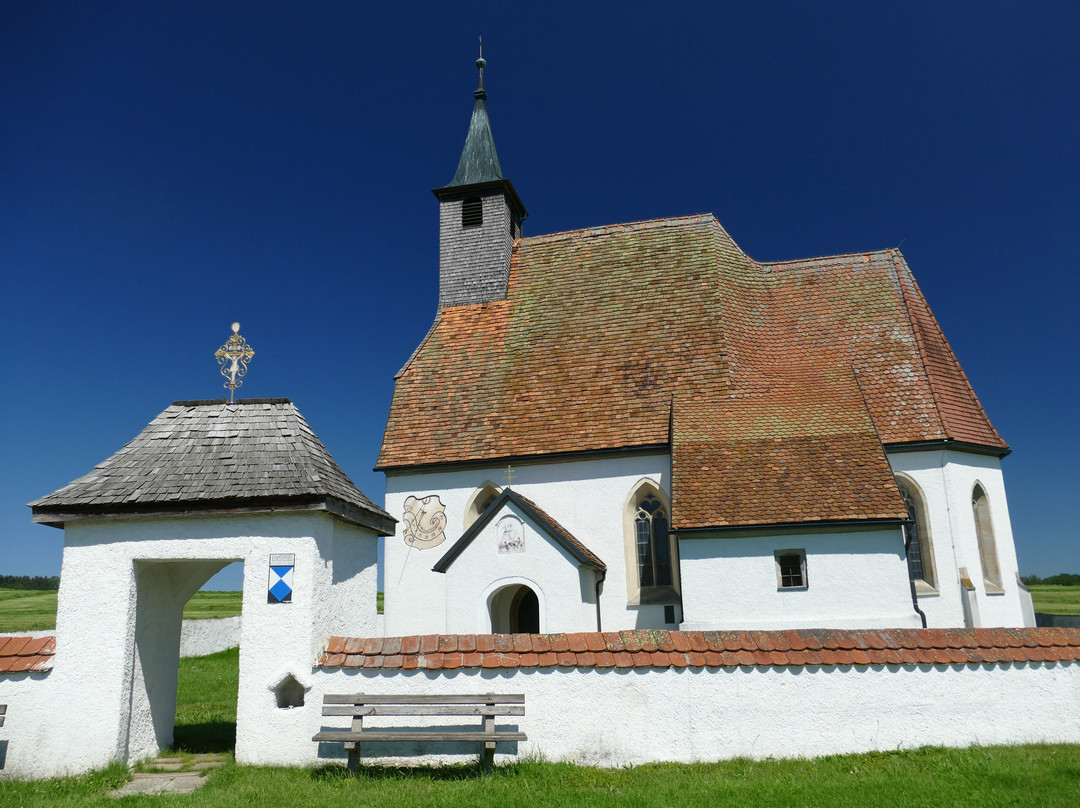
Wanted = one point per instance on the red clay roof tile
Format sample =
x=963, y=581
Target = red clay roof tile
x=835, y=648
x=19, y=654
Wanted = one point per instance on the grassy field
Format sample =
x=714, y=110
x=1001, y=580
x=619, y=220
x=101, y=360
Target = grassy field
x=30, y=610
x=981, y=777
x=206, y=702
x=1052, y=599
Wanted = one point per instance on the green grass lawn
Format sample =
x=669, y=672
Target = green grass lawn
x=31, y=610
x=206, y=702
x=1036, y=776
x=1053, y=599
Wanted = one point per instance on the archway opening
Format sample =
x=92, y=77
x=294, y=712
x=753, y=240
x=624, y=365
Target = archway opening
x=515, y=609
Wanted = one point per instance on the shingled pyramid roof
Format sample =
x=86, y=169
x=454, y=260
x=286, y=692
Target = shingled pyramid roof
x=213, y=456
x=762, y=379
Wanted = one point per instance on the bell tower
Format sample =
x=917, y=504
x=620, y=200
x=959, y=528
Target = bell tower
x=480, y=215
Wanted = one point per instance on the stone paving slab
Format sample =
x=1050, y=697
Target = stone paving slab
x=170, y=780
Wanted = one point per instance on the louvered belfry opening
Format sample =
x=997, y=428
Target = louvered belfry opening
x=472, y=212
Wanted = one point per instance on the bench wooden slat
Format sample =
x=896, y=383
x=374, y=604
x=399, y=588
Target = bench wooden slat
x=422, y=710
x=418, y=735
x=476, y=698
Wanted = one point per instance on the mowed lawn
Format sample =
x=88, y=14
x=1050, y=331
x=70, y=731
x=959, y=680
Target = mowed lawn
x=1054, y=599
x=32, y=610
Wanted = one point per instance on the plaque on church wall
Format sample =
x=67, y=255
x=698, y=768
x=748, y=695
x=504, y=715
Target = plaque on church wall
x=511, y=533
x=424, y=522
x=280, y=589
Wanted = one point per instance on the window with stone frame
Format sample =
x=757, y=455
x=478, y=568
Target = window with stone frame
x=984, y=533
x=653, y=544
x=790, y=569
x=920, y=552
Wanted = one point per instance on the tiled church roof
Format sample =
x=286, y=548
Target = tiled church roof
x=21, y=654
x=665, y=333
x=212, y=455
x=795, y=648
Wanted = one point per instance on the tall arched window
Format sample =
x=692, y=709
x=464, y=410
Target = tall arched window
x=920, y=550
x=652, y=574
x=653, y=545
x=984, y=532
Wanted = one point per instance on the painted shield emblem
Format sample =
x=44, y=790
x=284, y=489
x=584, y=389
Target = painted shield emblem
x=425, y=522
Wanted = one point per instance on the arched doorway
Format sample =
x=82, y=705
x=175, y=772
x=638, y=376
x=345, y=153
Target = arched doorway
x=515, y=609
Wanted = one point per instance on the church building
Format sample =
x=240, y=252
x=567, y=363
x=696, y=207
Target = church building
x=640, y=426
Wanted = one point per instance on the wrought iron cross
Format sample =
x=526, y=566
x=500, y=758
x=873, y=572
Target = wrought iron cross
x=508, y=475
x=233, y=357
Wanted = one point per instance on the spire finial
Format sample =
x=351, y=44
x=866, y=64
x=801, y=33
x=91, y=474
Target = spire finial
x=480, y=64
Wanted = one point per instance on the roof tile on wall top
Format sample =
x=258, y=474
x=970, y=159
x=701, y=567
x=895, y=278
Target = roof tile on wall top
x=26, y=654
x=794, y=648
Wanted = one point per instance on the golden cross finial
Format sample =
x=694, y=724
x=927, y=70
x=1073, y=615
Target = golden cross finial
x=233, y=357
x=509, y=475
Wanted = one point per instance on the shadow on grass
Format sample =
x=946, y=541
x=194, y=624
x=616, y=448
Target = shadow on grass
x=331, y=773
x=212, y=736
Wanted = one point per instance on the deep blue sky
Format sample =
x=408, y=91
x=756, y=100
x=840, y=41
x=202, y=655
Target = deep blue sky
x=169, y=167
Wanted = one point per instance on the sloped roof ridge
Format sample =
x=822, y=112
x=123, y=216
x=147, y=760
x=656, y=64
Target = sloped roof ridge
x=561, y=535
x=623, y=227
x=885, y=254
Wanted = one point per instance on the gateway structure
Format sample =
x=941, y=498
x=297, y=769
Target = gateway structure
x=640, y=426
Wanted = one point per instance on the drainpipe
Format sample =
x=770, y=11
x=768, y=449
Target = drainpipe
x=911, y=581
x=599, y=587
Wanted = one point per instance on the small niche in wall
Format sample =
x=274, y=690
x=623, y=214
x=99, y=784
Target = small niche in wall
x=289, y=693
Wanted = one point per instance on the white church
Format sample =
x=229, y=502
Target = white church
x=639, y=426
x=630, y=472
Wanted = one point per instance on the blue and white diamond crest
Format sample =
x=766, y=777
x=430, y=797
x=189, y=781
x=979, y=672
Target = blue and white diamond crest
x=281, y=578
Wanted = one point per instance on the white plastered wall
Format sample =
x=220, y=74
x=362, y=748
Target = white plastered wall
x=617, y=717
x=585, y=496
x=946, y=479
x=111, y=694
x=855, y=579
x=566, y=591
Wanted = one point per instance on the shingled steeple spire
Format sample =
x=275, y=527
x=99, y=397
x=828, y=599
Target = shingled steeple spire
x=480, y=215
x=479, y=162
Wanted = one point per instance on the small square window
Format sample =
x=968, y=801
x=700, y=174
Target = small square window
x=790, y=569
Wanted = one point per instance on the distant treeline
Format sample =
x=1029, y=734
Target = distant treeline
x=28, y=582
x=1061, y=579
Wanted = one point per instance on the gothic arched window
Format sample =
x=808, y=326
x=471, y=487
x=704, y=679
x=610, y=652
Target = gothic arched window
x=652, y=563
x=653, y=544
x=920, y=552
x=984, y=533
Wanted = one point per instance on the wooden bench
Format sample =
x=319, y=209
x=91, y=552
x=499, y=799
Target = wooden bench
x=360, y=705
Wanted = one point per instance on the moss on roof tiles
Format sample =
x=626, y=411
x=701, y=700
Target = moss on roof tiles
x=602, y=328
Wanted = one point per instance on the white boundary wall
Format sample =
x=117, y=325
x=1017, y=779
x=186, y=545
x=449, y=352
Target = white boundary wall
x=202, y=637
x=617, y=717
